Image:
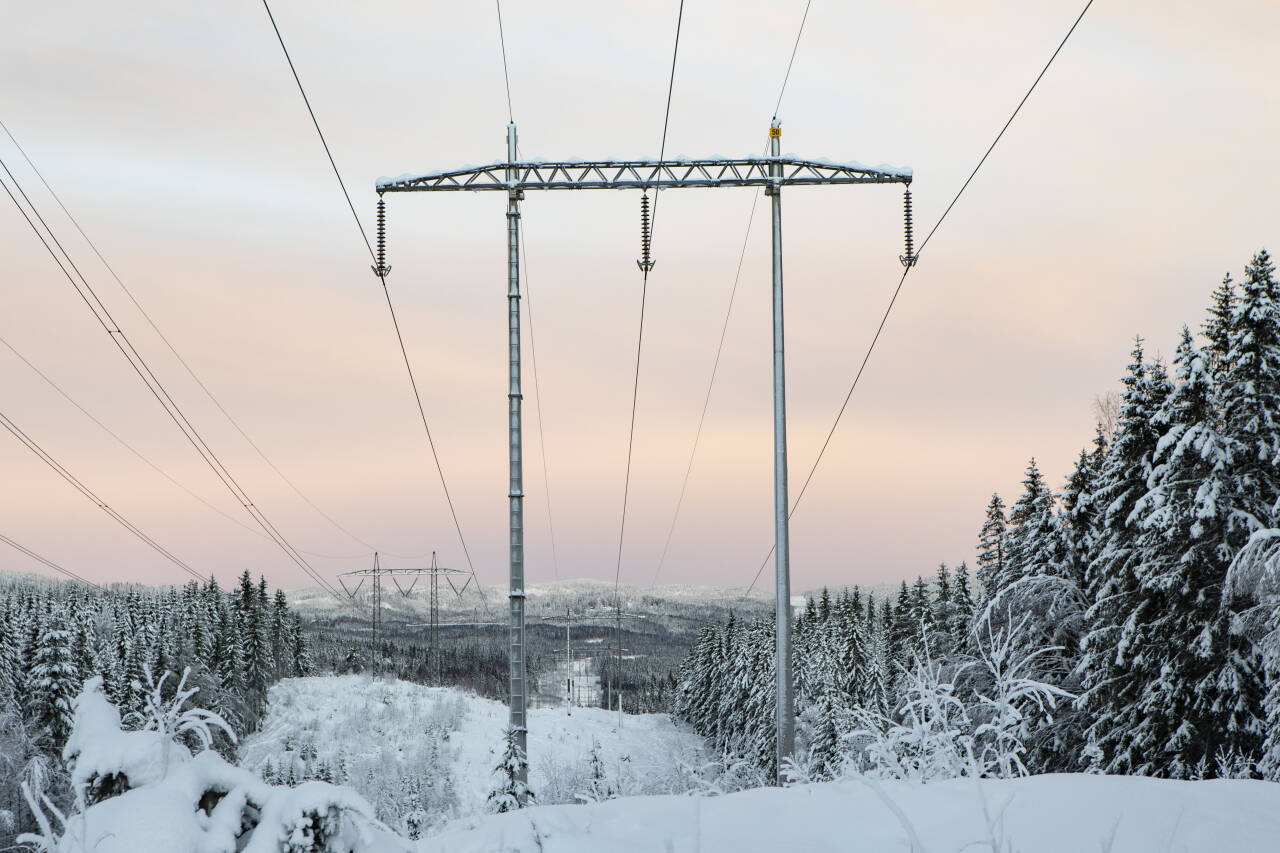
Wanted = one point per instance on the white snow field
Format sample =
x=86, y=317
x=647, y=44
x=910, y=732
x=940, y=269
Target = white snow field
x=177, y=802
x=407, y=747
x=1039, y=814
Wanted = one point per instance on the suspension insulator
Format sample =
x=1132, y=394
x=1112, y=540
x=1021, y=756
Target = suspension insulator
x=380, y=269
x=909, y=259
x=645, y=263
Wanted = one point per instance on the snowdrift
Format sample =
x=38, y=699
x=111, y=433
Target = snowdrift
x=1038, y=814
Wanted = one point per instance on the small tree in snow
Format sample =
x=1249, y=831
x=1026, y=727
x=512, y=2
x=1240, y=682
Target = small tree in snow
x=598, y=787
x=170, y=719
x=512, y=793
x=1013, y=702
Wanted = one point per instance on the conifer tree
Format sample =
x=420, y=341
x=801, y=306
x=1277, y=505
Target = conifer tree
x=511, y=793
x=1111, y=584
x=824, y=751
x=299, y=656
x=1250, y=397
x=1218, y=328
x=52, y=684
x=991, y=547
x=1195, y=699
x=1033, y=539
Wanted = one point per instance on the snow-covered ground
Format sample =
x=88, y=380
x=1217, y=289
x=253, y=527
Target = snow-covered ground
x=1040, y=814
x=180, y=803
x=407, y=747
x=397, y=740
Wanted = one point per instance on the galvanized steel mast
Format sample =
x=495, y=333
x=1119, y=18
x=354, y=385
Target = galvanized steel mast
x=786, y=720
x=518, y=694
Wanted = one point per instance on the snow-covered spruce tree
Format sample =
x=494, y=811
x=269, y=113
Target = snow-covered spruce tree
x=52, y=684
x=1034, y=539
x=1250, y=396
x=299, y=656
x=1111, y=585
x=511, y=793
x=1080, y=509
x=943, y=615
x=598, y=786
x=962, y=614
x=1198, y=685
x=991, y=548
x=1217, y=328
x=876, y=692
x=1254, y=575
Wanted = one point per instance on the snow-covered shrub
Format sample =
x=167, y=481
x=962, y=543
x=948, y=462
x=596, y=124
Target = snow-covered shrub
x=941, y=732
x=564, y=778
x=154, y=796
x=1014, y=702
x=725, y=776
x=169, y=719
x=929, y=737
x=47, y=838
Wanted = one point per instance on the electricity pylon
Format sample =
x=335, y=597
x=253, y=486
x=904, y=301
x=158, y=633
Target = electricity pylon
x=434, y=572
x=515, y=177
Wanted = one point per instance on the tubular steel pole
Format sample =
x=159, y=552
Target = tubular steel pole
x=516, y=660
x=786, y=703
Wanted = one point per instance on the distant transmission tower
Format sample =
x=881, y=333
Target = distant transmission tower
x=434, y=572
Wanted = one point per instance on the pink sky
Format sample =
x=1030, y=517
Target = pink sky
x=1143, y=168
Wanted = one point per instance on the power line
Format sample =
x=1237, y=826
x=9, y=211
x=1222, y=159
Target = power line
x=502, y=39
x=319, y=132
x=79, y=486
x=724, y=328
x=537, y=390
x=666, y=117
x=786, y=77
x=706, y=401
x=99, y=310
x=50, y=563
x=126, y=445
x=143, y=458
x=907, y=271
x=644, y=289
x=386, y=291
x=187, y=367
x=435, y=456
x=1016, y=110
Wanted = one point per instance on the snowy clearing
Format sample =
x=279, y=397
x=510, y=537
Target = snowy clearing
x=430, y=751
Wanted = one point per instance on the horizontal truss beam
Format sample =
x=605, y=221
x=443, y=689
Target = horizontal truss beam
x=645, y=174
x=404, y=572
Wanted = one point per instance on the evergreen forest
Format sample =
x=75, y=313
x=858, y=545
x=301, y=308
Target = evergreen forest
x=55, y=636
x=1126, y=623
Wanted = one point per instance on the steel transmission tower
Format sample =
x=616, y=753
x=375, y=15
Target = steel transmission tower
x=377, y=573
x=514, y=178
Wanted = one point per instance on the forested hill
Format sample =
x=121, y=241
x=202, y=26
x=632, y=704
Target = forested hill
x=55, y=635
x=473, y=652
x=1147, y=588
